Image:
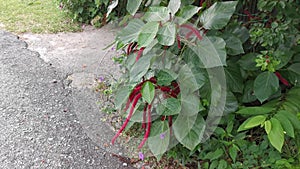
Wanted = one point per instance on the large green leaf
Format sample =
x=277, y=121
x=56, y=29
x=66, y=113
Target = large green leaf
x=234, y=45
x=133, y=6
x=247, y=62
x=211, y=51
x=255, y=110
x=170, y=106
x=147, y=34
x=190, y=104
x=174, y=5
x=239, y=31
x=187, y=80
x=248, y=95
x=140, y=68
x=131, y=32
x=292, y=118
x=157, y=14
x=165, y=77
x=159, y=139
x=148, y=92
x=286, y=124
x=231, y=104
x=122, y=95
x=276, y=135
x=218, y=15
x=166, y=35
x=192, y=137
x=186, y=13
x=295, y=68
x=265, y=85
x=252, y=122
x=234, y=78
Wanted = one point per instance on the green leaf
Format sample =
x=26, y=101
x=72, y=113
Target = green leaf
x=133, y=6
x=255, y=110
x=131, y=32
x=240, y=32
x=166, y=35
x=265, y=85
x=218, y=15
x=231, y=104
x=186, y=13
x=189, y=136
x=233, y=153
x=292, y=118
x=247, y=62
x=156, y=14
x=159, y=139
x=174, y=5
x=190, y=104
x=286, y=124
x=170, y=106
x=252, y=122
x=268, y=126
x=234, y=78
x=121, y=96
x=165, y=77
x=295, y=68
x=214, y=155
x=248, y=94
x=276, y=135
x=148, y=92
x=211, y=51
x=187, y=80
x=234, y=45
x=147, y=34
x=140, y=68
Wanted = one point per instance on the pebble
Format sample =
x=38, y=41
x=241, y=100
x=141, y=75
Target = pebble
x=125, y=164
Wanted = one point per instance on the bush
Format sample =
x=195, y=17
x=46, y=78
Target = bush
x=92, y=11
x=216, y=86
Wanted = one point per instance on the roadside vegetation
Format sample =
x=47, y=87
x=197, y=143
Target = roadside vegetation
x=36, y=16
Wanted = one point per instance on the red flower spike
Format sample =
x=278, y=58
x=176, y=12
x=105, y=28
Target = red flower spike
x=283, y=80
x=140, y=52
x=129, y=49
x=136, y=99
x=194, y=30
x=187, y=36
x=153, y=80
x=148, y=128
x=144, y=116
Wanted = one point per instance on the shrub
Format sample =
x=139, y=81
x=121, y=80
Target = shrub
x=92, y=11
x=221, y=89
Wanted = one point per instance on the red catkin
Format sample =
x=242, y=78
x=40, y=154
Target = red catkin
x=148, y=128
x=188, y=34
x=283, y=80
x=139, y=54
x=194, y=30
x=136, y=99
x=129, y=48
x=144, y=116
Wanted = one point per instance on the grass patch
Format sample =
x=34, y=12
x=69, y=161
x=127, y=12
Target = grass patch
x=36, y=16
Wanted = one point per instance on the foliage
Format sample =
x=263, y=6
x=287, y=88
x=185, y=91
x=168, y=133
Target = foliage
x=193, y=73
x=95, y=12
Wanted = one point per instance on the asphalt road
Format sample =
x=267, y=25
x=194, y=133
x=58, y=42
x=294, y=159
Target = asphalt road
x=38, y=123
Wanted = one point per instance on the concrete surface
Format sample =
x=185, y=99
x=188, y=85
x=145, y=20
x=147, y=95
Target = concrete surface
x=49, y=116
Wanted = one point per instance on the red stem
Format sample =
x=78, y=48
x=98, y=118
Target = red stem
x=136, y=99
x=148, y=128
x=194, y=30
x=129, y=48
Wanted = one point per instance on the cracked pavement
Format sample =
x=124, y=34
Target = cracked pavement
x=39, y=115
